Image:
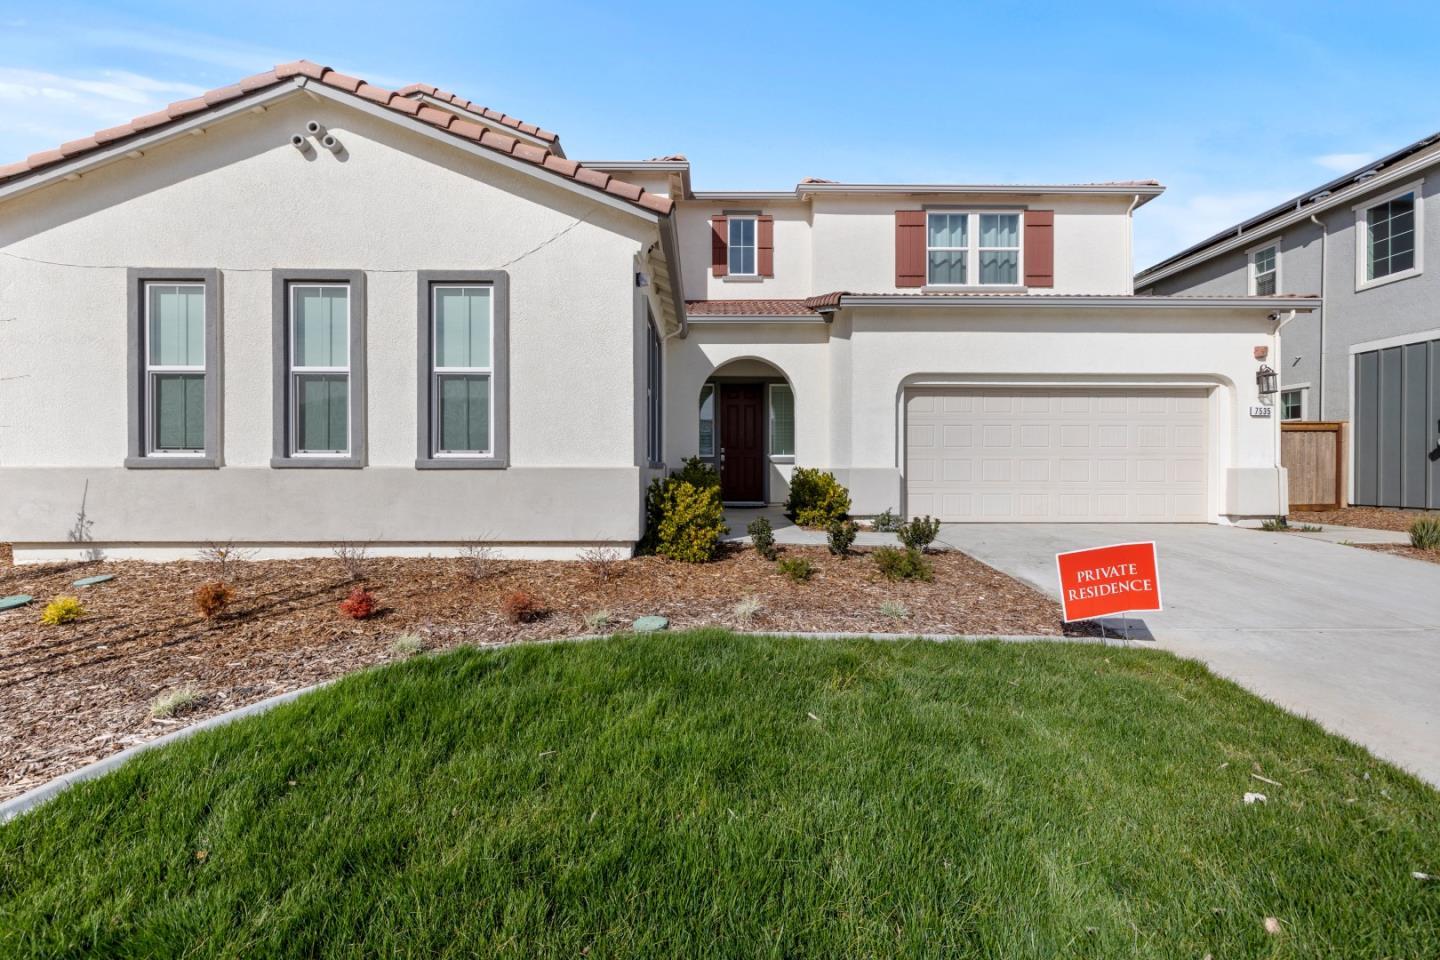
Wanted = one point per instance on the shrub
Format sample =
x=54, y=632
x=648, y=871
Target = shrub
x=212, y=598
x=894, y=609
x=408, y=645
x=353, y=558
x=359, y=605
x=919, y=533
x=522, y=606
x=62, y=610
x=1425, y=533
x=796, y=568
x=907, y=564
x=175, y=702
x=480, y=560
x=690, y=522
x=887, y=521
x=762, y=536
x=746, y=609
x=697, y=472
x=602, y=562
x=841, y=537
x=816, y=499
x=1274, y=525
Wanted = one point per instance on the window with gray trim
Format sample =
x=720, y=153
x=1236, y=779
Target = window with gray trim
x=463, y=369
x=319, y=348
x=174, y=366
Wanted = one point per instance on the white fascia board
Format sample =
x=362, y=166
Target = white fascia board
x=723, y=195
x=1146, y=191
x=639, y=166
x=1271, y=304
x=1306, y=210
x=103, y=156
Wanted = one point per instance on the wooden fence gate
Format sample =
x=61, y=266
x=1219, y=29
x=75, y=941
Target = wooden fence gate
x=1313, y=454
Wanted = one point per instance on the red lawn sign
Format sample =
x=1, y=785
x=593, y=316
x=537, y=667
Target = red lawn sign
x=1123, y=578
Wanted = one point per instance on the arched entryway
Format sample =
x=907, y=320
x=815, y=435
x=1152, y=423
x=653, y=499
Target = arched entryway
x=747, y=429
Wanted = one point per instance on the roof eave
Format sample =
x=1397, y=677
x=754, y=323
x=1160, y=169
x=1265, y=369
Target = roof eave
x=1053, y=301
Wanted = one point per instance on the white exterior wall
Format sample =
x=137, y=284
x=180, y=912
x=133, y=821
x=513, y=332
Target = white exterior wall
x=857, y=369
x=793, y=266
x=241, y=199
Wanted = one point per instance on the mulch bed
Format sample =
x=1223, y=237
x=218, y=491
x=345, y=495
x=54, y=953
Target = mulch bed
x=1401, y=550
x=72, y=694
x=1372, y=518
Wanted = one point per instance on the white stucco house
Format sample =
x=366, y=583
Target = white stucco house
x=303, y=309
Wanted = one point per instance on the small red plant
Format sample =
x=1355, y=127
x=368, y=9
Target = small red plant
x=212, y=598
x=522, y=606
x=359, y=605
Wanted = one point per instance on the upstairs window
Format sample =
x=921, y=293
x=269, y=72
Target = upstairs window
x=1265, y=270
x=1390, y=238
x=965, y=248
x=742, y=247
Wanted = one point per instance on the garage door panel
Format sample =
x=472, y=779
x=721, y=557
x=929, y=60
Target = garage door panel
x=1058, y=455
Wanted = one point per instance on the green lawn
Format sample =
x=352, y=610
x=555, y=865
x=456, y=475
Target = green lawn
x=702, y=794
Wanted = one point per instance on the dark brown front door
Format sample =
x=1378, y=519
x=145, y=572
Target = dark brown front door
x=742, y=442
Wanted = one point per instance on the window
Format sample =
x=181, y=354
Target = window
x=782, y=420
x=707, y=421
x=320, y=369
x=993, y=259
x=463, y=349
x=1292, y=404
x=654, y=356
x=1389, y=237
x=1265, y=270
x=174, y=349
x=742, y=246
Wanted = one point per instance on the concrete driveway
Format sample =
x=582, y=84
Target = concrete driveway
x=1348, y=637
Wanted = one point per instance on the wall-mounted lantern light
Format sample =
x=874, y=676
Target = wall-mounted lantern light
x=1265, y=380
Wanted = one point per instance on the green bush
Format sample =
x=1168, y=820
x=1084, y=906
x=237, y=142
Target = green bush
x=1425, y=533
x=796, y=568
x=690, y=520
x=762, y=536
x=816, y=499
x=697, y=472
x=888, y=521
x=841, y=536
x=919, y=533
x=62, y=610
x=907, y=564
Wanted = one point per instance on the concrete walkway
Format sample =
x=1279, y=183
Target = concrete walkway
x=1336, y=534
x=1348, y=637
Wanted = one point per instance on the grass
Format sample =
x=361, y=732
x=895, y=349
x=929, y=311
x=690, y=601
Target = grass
x=704, y=795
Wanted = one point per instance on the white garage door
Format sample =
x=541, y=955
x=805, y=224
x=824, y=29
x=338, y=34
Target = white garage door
x=1056, y=455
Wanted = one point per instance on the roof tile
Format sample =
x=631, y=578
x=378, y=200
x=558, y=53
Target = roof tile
x=258, y=81
x=405, y=105
x=114, y=133
x=223, y=95
x=436, y=117
x=528, y=151
x=622, y=189
x=561, y=165
x=595, y=178
x=183, y=108
x=376, y=94
x=344, y=81
x=414, y=88
x=14, y=169
x=43, y=158
x=301, y=68
x=79, y=146
x=150, y=120
x=498, y=141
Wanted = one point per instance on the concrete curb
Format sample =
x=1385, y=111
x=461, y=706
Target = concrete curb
x=29, y=800
x=33, y=798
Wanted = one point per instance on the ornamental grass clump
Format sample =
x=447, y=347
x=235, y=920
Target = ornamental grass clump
x=62, y=610
x=1425, y=533
x=816, y=498
x=176, y=702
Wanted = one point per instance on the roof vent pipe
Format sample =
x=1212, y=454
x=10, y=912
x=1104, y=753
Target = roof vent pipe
x=314, y=128
x=330, y=143
x=300, y=143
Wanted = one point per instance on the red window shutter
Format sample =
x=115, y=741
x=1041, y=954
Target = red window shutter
x=765, y=244
x=909, y=248
x=1039, y=248
x=719, y=246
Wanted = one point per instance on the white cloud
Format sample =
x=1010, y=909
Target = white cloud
x=1343, y=162
x=1168, y=225
x=43, y=109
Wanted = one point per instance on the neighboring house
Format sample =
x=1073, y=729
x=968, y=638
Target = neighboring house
x=1371, y=355
x=303, y=310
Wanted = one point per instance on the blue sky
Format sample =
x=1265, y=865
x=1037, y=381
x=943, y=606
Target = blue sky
x=1233, y=106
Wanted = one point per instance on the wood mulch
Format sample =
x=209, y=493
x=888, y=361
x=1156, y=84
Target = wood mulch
x=1401, y=550
x=75, y=693
x=1372, y=518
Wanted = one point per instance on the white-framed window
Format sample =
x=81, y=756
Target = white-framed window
x=319, y=357
x=742, y=246
x=1292, y=403
x=1265, y=270
x=654, y=393
x=973, y=248
x=1389, y=235
x=462, y=369
x=707, y=421
x=174, y=369
x=782, y=420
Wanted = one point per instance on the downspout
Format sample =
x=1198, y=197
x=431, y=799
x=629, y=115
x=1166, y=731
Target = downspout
x=1320, y=379
x=1130, y=242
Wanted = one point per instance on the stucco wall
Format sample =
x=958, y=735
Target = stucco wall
x=849, y=379
x=241, y=199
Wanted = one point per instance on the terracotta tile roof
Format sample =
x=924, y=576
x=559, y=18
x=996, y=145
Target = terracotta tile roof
x=515, y=123
x=456, y=126
x=816, y=306
x=749, y=308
